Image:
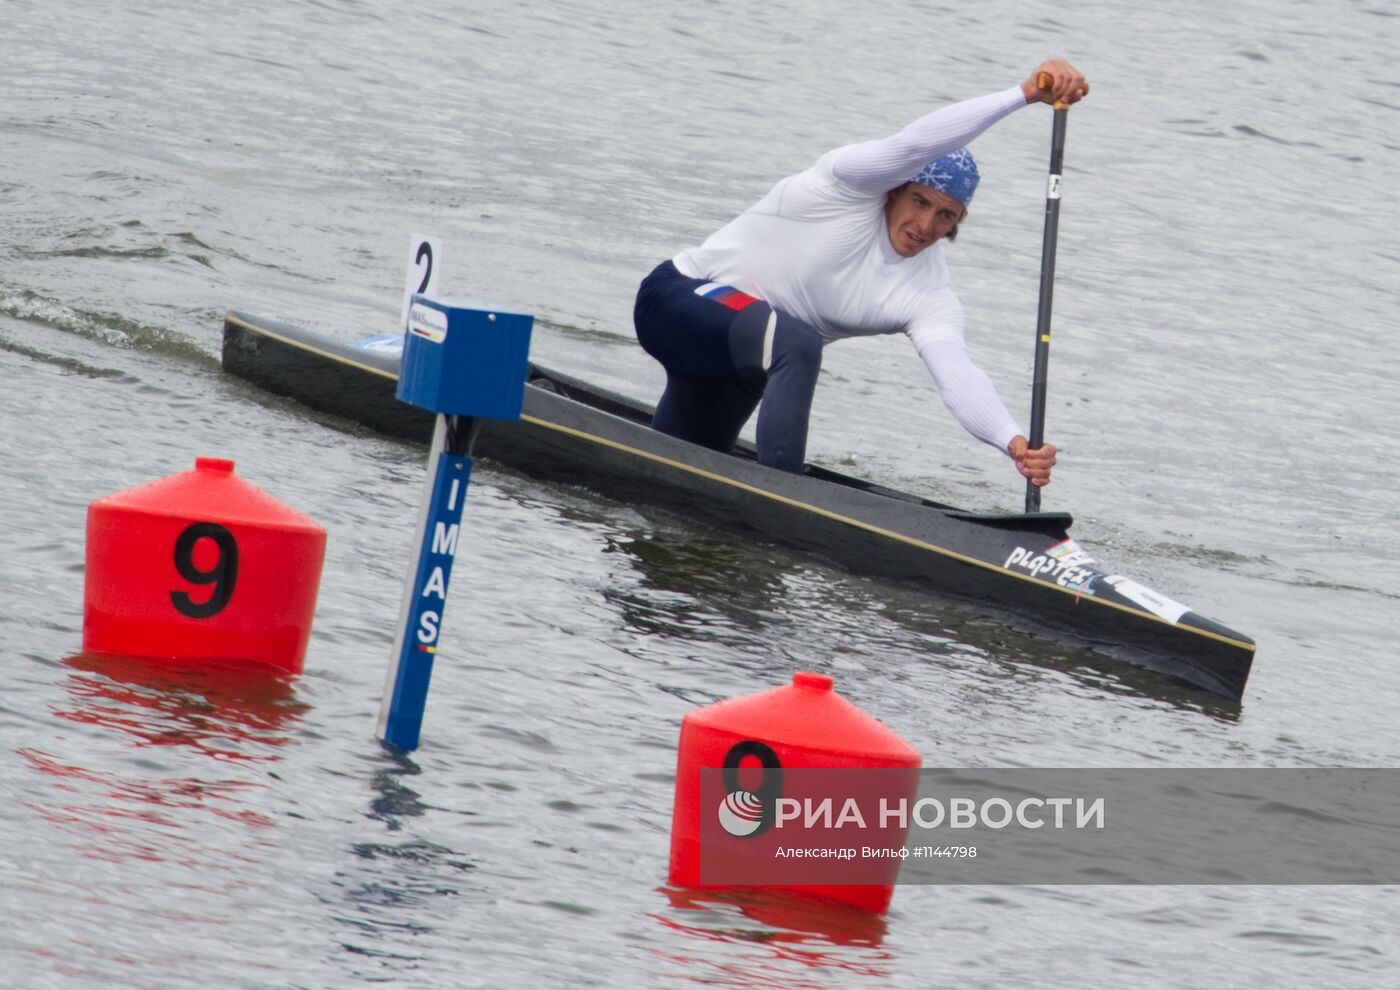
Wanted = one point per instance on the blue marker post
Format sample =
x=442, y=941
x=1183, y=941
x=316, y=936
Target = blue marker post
x=465, y=362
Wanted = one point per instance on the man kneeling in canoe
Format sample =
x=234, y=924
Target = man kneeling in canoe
x=847, y=248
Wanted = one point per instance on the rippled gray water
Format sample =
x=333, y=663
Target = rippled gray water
x=1222, y=387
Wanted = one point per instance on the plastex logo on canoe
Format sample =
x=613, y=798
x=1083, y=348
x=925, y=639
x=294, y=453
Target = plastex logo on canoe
x=1066, y=563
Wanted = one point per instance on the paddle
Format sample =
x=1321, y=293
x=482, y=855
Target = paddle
x=1047, y=285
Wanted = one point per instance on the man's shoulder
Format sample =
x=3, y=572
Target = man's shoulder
x=817, y=189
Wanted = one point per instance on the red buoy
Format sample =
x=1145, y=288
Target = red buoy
x=201, y=566
x=803, y=726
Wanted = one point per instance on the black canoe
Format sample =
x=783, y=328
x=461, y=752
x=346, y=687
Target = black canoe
x=573, y=433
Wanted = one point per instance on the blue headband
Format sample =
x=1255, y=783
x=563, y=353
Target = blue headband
x=954, y=174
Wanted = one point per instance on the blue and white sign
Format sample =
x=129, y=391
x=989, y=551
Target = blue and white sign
x=425, y=596
x=464, y=361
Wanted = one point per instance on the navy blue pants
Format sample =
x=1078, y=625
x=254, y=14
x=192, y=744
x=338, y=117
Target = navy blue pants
x=723, y=351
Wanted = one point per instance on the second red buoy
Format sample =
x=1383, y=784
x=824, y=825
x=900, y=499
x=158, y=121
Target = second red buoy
x=754, y=740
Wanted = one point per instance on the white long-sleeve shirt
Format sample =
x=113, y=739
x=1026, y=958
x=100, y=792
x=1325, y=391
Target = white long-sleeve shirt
x=817, y=247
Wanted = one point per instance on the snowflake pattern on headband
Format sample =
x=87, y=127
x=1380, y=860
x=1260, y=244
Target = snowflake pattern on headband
x=954, y=174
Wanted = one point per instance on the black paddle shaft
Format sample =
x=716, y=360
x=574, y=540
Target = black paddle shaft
x=1047, y=292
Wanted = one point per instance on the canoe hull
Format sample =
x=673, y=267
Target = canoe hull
x=571, y=433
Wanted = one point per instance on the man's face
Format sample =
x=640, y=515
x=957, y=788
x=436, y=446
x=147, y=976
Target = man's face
x=917, y=216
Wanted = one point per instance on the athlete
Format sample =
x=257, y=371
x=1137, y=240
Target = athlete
x=847, y=248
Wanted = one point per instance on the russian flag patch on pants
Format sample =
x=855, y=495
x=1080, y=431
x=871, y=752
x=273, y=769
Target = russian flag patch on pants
x=725, y=295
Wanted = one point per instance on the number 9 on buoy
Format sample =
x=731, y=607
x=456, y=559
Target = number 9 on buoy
x=201, y=566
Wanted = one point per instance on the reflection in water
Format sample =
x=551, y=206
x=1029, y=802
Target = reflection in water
x=689, y=601
x=781, y=928
x=394, y=799
x=139, y=818
x=695, y=584
x=702, y=563
x=207, y=718
x=230, y=713
x=389, y=895
x=710, y=588
x=388, y=891
x=1010, y=645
